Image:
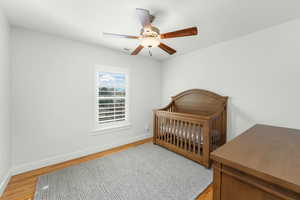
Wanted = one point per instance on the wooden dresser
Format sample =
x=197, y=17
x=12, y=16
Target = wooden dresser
x=261, y=164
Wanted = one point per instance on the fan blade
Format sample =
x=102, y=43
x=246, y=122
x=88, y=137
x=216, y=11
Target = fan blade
x=180, y=33
x=144, y=17
x=137, y=50
x=166, y=48
x=121, y=36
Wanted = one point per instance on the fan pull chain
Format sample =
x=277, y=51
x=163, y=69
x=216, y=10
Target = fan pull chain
x=150, y=51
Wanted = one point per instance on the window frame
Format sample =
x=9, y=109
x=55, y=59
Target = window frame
x=111, y=125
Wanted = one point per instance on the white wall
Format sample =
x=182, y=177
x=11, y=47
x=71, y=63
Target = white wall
x=53, y=98
x=259, y=72
x=5, y=137
x=53, y=93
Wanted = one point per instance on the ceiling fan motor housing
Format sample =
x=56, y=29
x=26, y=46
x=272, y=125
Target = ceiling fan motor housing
x=150, y=31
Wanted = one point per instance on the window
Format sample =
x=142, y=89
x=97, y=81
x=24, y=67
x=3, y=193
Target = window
x=111, y=97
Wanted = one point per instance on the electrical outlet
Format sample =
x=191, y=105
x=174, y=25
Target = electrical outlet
x=147, y=128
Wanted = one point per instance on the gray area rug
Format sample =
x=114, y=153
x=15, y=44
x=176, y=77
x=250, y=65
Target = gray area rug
x=145, y=172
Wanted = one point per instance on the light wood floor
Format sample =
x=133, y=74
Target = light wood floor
x=22, y=186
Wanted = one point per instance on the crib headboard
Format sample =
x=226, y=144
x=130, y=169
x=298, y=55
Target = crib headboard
x=197, y=101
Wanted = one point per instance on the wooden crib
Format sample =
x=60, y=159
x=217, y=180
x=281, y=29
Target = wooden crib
x=193, y=124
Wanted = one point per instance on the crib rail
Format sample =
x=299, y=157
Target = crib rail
x=183, y=133
x=190, y=135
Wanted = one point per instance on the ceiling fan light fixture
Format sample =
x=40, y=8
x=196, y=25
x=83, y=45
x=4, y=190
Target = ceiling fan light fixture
x=149, y=41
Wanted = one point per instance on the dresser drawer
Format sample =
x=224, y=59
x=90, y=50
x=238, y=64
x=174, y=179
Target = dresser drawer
x=232, y=184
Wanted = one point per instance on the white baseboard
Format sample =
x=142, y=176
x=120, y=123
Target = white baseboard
x=4, y=182
x=62, y=158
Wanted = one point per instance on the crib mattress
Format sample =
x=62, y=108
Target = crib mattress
x=189, y=133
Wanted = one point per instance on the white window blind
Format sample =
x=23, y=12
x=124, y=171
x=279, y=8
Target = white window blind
x=111, y=97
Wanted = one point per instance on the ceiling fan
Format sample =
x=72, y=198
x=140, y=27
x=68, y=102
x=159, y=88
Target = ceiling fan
x=150, y=35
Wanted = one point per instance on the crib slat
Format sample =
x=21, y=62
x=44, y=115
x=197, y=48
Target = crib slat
x=179, y=134
x=171, y=130
x=167, y=122
x=213, y=127
x=193, y=132
x=168, y=130
x=174, y=130
x=162, y=129
x=199, y=140
x=165, y=125
x=158, y=127
x=174, y=133
x=184, y=135
x=162, y=119
x=194, y=139
x=190, y=137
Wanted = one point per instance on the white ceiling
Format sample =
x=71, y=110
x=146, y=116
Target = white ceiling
x=85, y=20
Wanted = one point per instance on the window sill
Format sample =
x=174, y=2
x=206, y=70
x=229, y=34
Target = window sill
x=109, y=129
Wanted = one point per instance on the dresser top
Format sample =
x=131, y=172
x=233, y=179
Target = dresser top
x=267, y=152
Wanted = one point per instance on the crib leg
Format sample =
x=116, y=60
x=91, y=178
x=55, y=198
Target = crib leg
x=206, y=144
x=207, y=164
x=154, y=139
